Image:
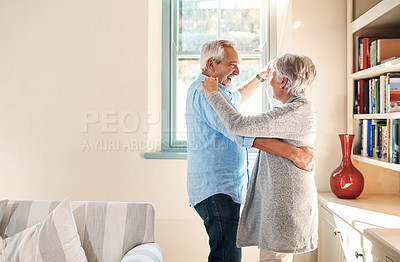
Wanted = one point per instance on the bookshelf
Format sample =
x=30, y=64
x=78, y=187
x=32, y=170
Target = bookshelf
x=383, y=16
x=395, y=115
x=377, y=162
x=369, y=18
x=387, y=67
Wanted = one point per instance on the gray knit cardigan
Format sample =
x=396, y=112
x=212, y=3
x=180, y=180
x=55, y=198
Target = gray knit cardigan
x=281, y=212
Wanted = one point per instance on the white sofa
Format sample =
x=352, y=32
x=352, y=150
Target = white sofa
x=108, y=231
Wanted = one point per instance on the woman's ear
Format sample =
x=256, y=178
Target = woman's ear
x=284, y=81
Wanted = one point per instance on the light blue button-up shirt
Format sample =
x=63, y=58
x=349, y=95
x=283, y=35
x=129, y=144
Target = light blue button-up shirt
x=217, y=159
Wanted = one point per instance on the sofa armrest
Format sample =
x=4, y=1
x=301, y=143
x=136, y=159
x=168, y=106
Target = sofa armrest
x=150, y=252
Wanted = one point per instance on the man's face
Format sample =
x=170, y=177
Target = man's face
x=228, y=68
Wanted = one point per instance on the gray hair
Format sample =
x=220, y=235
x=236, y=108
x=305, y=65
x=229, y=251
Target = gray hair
x=299, y=71
x=215, y=50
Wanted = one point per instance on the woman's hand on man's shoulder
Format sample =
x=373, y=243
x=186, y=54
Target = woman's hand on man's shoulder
x=210, y=85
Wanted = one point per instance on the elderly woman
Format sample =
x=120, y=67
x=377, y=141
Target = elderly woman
x=280, y=212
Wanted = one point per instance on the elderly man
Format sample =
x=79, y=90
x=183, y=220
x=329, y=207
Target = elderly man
x=218, y=176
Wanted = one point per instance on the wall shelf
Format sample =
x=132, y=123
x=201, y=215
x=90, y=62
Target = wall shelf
x=395, y=115
x=390, y=66
x=377, y=162
x=384, y=14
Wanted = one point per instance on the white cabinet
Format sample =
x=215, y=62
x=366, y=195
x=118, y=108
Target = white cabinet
x=366, y=229
x=329, y=248
x=339, y=241
x=351, y=241
x=372, y=252
x=377, y=241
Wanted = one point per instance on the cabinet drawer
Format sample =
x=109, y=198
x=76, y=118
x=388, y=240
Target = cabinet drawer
x=382, y=242
x=329, y=249
x=339, y=239
x=351, y=241
x=371, y=252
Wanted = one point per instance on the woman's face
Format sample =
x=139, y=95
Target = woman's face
x=277, y=85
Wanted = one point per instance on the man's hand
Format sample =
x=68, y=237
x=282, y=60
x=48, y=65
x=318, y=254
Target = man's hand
x=304, y=158
x=210, y=85
x=265, y=72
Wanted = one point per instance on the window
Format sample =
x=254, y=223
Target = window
x=187, y=25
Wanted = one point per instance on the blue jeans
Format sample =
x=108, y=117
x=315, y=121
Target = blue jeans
x=221, y=218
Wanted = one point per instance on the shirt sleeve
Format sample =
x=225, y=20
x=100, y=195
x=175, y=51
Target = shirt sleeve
x=248, y=141
x=207, y=113
x=236, y=98
x=287, y=122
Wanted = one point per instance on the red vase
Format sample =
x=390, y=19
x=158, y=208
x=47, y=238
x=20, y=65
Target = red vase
x=346, y=181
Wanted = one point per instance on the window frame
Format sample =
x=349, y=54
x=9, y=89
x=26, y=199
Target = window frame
x=169, y=57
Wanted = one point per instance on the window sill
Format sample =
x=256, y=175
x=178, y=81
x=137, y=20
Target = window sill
x=166, y=155
x=180, y=155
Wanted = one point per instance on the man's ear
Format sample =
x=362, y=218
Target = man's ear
x=211, y=64
x=284, y=81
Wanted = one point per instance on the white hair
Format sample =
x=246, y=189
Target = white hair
x=215, y=50
x=299, y=71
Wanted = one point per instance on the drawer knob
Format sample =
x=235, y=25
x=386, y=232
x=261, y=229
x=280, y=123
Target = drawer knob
x=358, y=255
x=336, y=232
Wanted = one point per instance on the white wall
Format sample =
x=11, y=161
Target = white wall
x=62, y=59
x=322, y=37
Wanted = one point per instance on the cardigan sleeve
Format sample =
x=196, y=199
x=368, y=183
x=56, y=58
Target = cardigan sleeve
x=203, y=110
x=294, y=120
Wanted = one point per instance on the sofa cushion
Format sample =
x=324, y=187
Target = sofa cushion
x=3, y=204
x=107, y=230
x=20, y=215
x=150, y=252
x=56, y=239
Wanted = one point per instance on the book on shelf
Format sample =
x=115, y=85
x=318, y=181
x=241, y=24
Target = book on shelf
x=364, y=137
x=360, y=54
x=372, y=56
x=394, y=141
x=389, y=59
x=375, y=106
x=371, y=93
x=379, y=95
x=356, y=109
x=379, y=139
x=383, y=93
x=387, y=48
x=361, y=101
x=364, y=51
x=393, y=82
x=366, y=97
x=369, y=138
x=361, y=96
x=373, y=142
x=384, y=145
x=360, y=136
x=373, y=51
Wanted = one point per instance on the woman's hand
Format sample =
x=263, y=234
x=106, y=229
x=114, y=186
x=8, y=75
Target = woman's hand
x=210, y=85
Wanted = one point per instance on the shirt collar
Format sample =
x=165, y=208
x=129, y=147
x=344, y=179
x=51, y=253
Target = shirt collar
x=202, y=77
x=293, y=98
